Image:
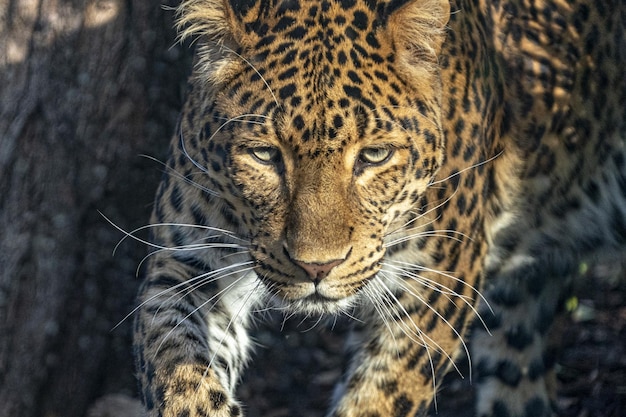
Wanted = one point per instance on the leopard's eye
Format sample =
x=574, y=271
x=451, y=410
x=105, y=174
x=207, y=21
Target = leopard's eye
x=375, y=156
x=266, y=154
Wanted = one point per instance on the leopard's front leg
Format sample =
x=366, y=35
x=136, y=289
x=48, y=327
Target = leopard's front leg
x=190, y=342
x=405, y=349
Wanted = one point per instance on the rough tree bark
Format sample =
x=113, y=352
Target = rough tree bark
x=86, y=87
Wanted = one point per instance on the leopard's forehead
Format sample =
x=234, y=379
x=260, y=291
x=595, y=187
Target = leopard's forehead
x=321, y=73
x=308, y=19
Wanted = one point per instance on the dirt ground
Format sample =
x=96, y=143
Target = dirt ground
x=296, y=366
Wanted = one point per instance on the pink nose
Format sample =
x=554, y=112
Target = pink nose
x=318, y=271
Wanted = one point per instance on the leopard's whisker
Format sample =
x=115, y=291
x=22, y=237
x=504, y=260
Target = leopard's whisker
x=320, y=318
x=436, y=233
x=422, y=215
x=181, y=284
x=346, y=312
x=214, y=299
x=420, y=334
x=496, y=156
x=132, y=234
x=242, y=250
x=207, y=278
x=415, y=328
x=171, y=171
x=394, y=315
x=382, y=306
x=417, y=331
x=444, y=290
x=407, y=267
x=267, y=85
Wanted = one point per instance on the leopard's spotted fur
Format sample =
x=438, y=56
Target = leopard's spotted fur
x=411, y=163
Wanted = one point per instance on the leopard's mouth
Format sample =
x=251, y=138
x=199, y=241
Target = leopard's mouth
x=308, y=298
x=299, y=293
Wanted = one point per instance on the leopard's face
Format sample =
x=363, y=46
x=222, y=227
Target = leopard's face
x=319, y=149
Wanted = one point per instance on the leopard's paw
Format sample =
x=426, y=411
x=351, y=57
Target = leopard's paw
x=193, y=392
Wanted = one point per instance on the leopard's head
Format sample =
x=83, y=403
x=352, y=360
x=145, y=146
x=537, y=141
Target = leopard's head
x=319, y=124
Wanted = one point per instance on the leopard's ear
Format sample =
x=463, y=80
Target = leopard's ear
x=221, y=28
x=418, y=28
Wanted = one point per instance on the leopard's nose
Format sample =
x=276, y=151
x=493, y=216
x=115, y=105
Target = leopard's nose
x=316, y=267
x=317, y=271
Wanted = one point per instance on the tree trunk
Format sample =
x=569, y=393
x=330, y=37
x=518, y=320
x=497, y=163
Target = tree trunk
x=86, y=88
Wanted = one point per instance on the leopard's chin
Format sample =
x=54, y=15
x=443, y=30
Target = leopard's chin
x=316, y=304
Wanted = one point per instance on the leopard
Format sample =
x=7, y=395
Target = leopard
x=436, y=171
